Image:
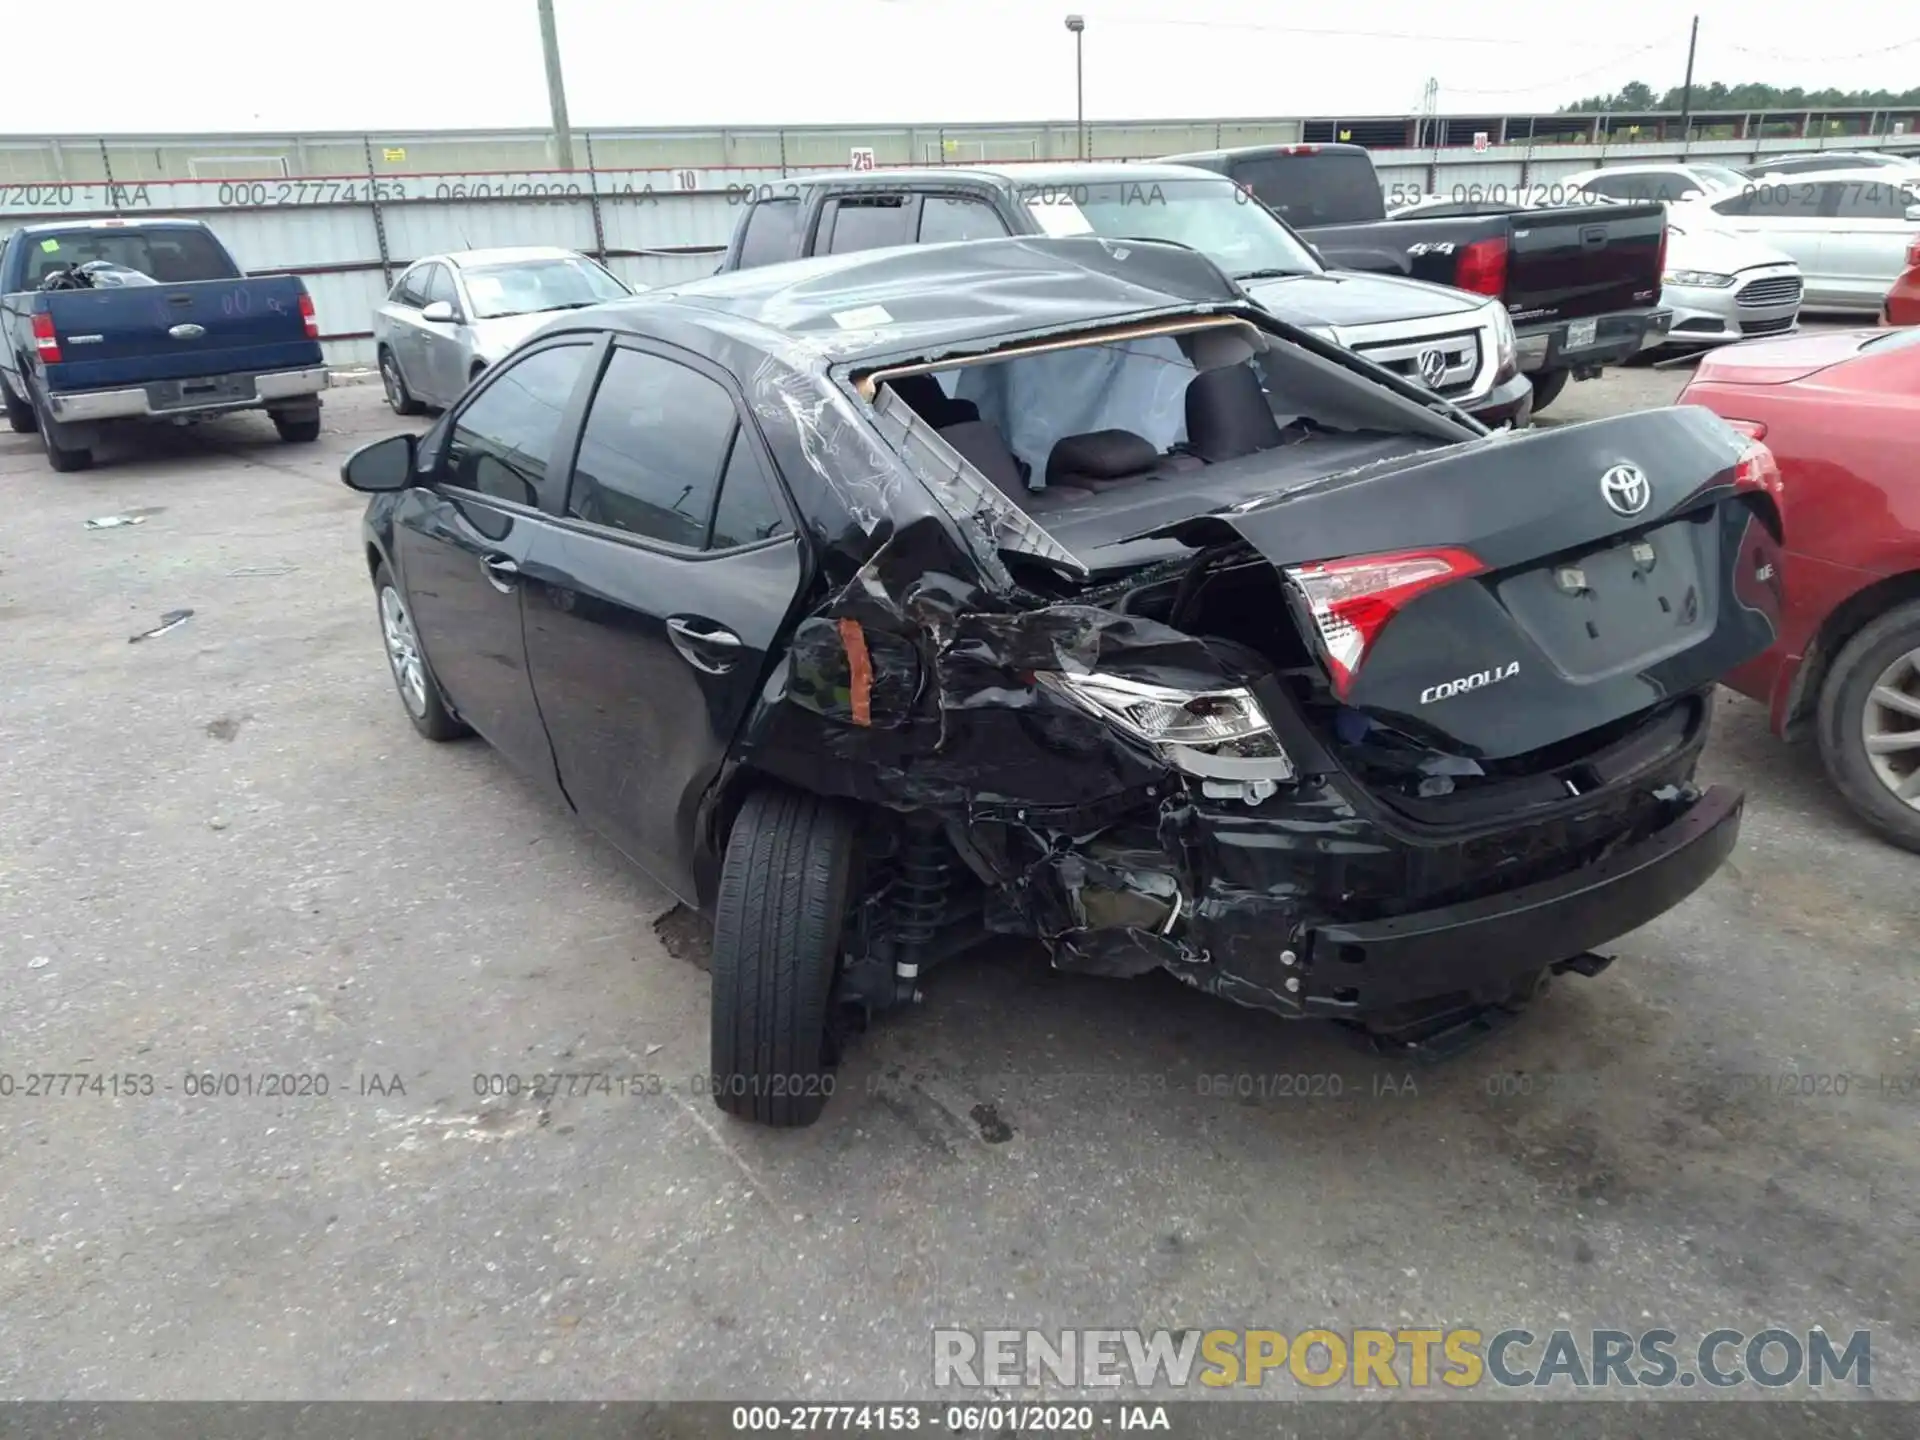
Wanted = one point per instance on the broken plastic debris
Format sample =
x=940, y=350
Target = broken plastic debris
x=39, y=962
x=172, y=620
x=125, y=517
x=262, y=570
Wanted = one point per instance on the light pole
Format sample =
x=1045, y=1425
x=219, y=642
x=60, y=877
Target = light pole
x=1078, y=26
x=556, y=89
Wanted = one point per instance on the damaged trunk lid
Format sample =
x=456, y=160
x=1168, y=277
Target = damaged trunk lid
x=1500, y=597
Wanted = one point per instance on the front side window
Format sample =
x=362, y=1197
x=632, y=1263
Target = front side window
x=656, y=436
x=1870, y=199
x=530, y=287
x=502, y=443
x=440, y=287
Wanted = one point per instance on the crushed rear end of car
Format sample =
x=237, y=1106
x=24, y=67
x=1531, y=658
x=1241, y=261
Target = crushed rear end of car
x=1348, y=713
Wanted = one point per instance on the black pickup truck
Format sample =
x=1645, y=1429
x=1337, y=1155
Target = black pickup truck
x=1581, y=284
x=109, y=320
x=1459, y=346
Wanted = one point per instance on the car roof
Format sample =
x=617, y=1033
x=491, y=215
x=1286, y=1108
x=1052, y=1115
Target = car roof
x=503, y=255
x=870, y=303
x=1248, y=152
x=1864, y=174
x=1022, y=172
x=139, y=222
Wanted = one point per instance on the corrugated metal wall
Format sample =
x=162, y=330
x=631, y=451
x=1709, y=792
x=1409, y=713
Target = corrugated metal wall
x=351, y=234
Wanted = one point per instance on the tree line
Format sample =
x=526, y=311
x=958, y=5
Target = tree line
x=1641, y=99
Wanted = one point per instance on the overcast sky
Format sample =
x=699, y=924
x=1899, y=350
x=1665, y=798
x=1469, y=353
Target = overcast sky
x=224, y=65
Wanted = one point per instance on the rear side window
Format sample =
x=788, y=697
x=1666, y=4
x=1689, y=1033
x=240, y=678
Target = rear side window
x=747, y=510
x=1334, y=187
x=656, y=437
x=867, y=222
x=945, y=218
x=504, y=441
x=772, y=227
x=1666, y=185
x=1869, y=199
x=1776, y=200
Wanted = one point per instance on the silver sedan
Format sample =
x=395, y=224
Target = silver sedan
x=451, y=316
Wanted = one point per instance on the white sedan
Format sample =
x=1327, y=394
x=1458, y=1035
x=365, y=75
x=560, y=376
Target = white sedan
x=1849, y=230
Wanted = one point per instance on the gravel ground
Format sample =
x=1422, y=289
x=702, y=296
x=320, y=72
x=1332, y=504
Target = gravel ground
x=224, y=852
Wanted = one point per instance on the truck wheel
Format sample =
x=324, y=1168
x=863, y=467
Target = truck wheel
x=1870, y=724
x=391, y=380
x=297, y=429
x=1547, y=385
x=62, y=454
x=19, y=413
x=785, y=888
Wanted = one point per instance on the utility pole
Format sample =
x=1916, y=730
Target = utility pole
x=556, y=88
x=1686, y=93
x=1078, y=26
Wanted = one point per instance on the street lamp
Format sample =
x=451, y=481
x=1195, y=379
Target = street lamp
x=1078, y=25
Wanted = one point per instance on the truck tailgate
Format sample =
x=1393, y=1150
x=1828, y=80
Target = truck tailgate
x=1566, y=264
x=126, y=336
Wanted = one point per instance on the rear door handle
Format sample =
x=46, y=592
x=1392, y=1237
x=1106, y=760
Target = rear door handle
x=502, y=573
x=712, y=649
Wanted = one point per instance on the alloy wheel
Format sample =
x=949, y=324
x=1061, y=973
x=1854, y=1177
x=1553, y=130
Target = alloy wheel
x=1890, y=728
x=403, y=651
x=390, y=381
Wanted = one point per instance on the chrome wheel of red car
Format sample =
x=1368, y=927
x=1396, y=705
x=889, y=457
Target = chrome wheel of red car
x=1890, y=728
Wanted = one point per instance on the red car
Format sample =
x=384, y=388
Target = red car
x=1903, y=301
x=1841, y=412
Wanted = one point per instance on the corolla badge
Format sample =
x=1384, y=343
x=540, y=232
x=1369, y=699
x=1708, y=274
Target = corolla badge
x=1626, y=490
x=1433, y=368
x=1447, y=689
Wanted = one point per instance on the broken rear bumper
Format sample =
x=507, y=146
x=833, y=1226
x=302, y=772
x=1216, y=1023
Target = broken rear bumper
x=1262, y=954
x=1487, y=944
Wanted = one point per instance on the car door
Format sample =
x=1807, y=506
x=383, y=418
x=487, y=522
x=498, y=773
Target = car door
x=1866, y=247
x=1784, y=213
x=463, y=542
x=655, y=598
x=403, y=324
x=444, y=344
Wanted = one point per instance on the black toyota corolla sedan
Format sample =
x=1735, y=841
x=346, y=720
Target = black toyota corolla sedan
x=878, y=604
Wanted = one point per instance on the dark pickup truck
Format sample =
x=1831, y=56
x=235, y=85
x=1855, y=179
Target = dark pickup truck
x=1581, y=284
x=1459, y=346
x=107, y=320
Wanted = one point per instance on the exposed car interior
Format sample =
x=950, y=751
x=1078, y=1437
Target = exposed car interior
x=1109, y=439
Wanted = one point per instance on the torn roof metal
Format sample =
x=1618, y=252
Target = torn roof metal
x=880, y=304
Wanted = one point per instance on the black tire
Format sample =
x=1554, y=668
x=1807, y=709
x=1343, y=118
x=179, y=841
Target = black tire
x=785, y=888
x=395, y=384
x=1547, y=385
x=425, y=707
x=20, y=415
x=61, y=455
x=1844, y=695
x=298, y=430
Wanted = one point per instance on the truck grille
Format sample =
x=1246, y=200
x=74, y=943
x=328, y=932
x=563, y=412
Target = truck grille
x=1773, y=290
x=1766, y=327
x=1458, y=363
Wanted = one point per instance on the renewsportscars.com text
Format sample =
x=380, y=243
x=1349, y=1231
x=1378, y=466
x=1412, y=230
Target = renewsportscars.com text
x=1414, y=1359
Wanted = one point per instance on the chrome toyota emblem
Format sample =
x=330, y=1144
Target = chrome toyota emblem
x=1626, y=490
x=187, y=332
x=1433, y=368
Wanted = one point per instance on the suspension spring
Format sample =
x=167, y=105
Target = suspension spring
x=920, y=897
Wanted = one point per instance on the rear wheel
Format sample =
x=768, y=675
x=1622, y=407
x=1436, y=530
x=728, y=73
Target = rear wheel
x=1547, y=385
x=1870, y=724
x=395, y=384
x=786, y=885
x=298, y=430
x=57, y=440
x=19, y=412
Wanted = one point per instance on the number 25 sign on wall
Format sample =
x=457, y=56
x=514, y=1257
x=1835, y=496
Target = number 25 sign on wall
x=862, y=158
